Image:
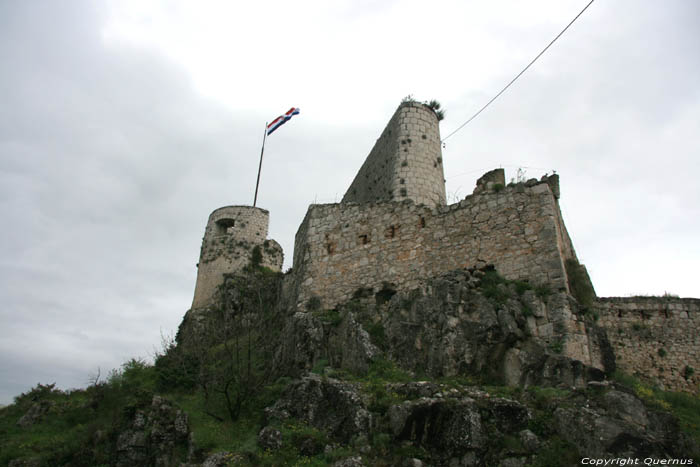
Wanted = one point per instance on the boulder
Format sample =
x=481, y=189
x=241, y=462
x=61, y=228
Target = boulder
x=327, y=404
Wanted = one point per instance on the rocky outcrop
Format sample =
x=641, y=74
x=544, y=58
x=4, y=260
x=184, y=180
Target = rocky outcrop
x=468, y=322
x=618, y=424
x=454, y=425
x=153, y=436
x=330, y=405
x=35, y=413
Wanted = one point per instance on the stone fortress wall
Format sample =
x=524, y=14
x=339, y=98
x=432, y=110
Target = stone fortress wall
x=342, y=247
x=655, y=337
x=231, y=234
x=405, y=162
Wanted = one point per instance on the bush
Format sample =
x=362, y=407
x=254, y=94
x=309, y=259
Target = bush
x=579, y=283
x=494, y=286
x=256, y=257
x=688, y=372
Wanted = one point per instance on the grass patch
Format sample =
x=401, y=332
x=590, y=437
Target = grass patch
x=686, y=407
x=521, y=287
x=65, y=433
x=557, y=453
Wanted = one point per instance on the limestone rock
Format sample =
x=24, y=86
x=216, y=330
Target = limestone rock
x=620, y=426
x=32, y=462
x=355, y=461
x=445, y=426
x=324, y=403
x=35, y=413
x=529, y=440
x=270, y=438
x=153, y=436
x=219, y=459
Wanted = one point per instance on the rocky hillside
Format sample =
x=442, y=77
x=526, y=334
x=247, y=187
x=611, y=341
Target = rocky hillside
x=464, y=370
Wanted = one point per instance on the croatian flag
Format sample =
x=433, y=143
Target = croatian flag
x=281, y=120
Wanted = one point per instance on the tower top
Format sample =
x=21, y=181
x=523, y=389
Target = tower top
x=405, y=162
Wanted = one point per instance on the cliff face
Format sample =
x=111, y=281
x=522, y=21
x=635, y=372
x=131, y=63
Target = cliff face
x=467, y=322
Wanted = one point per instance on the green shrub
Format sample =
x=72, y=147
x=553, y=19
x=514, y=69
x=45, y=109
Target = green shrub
x=314, y=303
x=543, y=291
x=556, y=346
x=521, y=287
x=319, y=366
x=579, y=283
x=688, y=372
x=376, y=334
x=494, y=286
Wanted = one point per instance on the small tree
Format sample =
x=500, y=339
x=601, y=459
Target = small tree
x=237, y=341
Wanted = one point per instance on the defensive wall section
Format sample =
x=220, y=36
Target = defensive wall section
x=405, y=163
x=655, y=337
x=231, y=235
x=340, y=248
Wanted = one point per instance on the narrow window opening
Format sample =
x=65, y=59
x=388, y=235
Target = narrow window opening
x=364, y=239
x=225, y=226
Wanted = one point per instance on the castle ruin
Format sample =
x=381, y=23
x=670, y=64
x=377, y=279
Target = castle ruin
x=393, y=229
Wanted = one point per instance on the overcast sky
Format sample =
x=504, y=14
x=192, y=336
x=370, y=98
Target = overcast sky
x=124, y=124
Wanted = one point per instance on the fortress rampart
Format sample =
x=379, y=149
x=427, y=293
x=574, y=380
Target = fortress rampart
x=655, y=337
x=405, y=162
x=342, y=247
x=393, y=231
x=231, y=235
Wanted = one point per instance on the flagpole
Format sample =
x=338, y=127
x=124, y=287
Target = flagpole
x=260, y=166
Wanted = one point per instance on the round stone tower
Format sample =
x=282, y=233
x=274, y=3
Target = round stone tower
x=231, y=236
x=405, y=162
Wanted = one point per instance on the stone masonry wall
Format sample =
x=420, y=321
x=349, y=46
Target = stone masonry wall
x=342, y=247
x=405, y=162
x=231, y=234
x=655, y=337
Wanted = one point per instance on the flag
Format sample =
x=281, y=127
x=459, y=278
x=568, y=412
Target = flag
x=281, y=120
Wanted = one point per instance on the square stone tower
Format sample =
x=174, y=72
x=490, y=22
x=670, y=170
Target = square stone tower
x=406, y=161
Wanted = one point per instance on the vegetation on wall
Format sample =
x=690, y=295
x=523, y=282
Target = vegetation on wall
x=579, y=282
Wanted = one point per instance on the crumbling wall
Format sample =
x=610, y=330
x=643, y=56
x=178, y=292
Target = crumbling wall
x=405, y=162
x=340, y=248
x=232, y=236
x=655, y=337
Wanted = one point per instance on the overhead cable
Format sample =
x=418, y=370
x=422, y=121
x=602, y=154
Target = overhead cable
x=519, y=74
